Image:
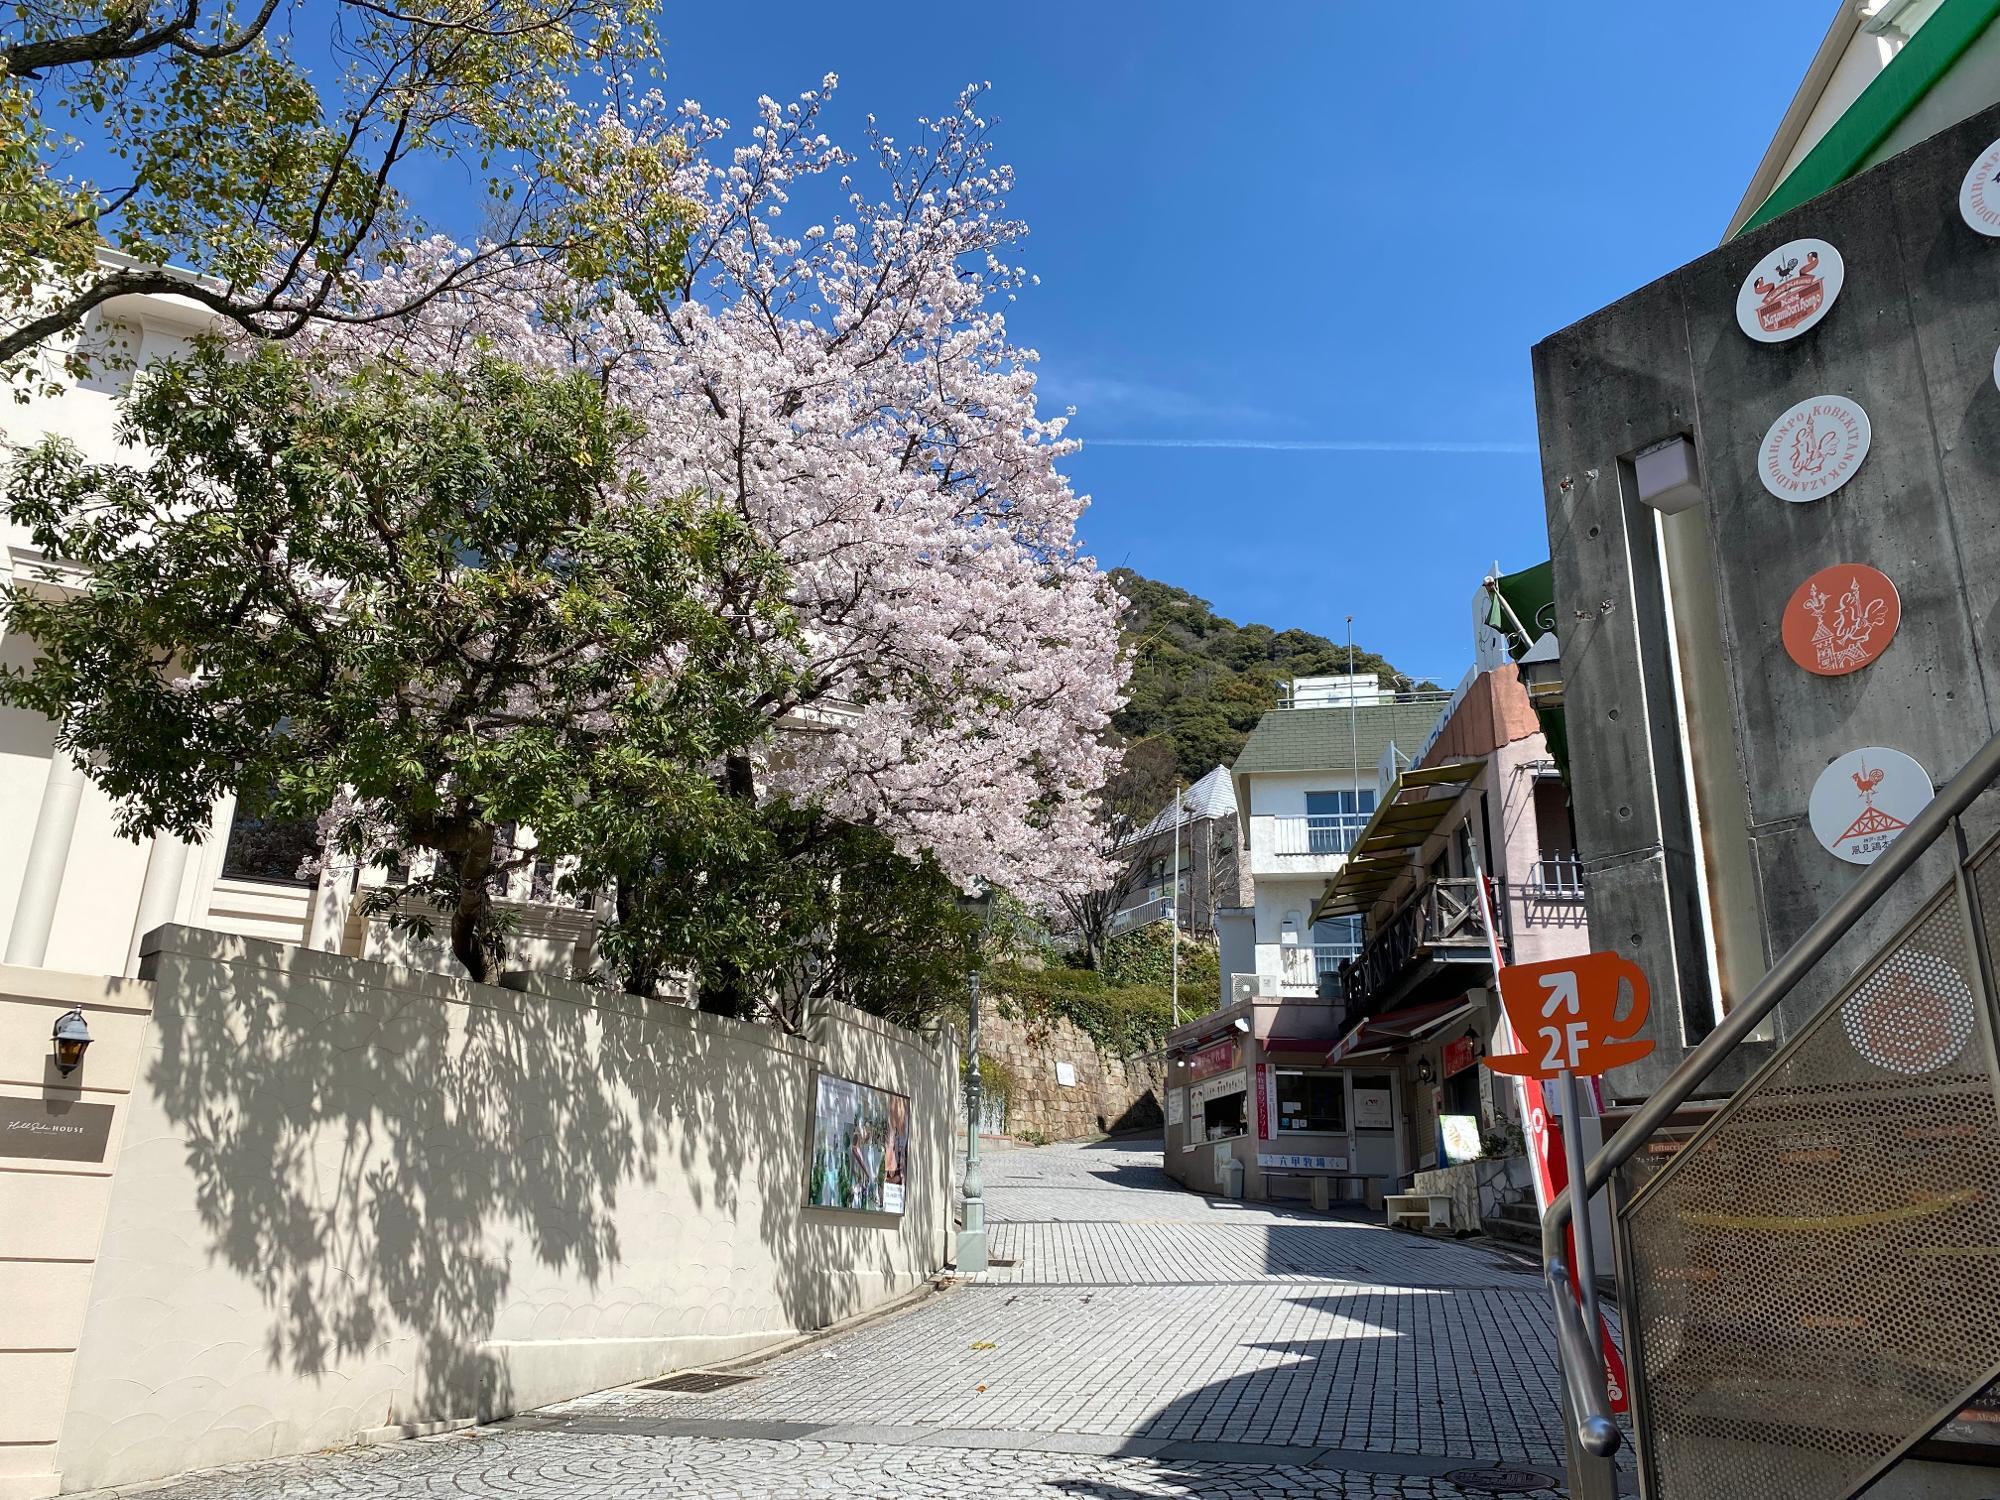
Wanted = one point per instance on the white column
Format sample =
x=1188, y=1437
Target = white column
x=333, y=896
x=160, y=895
x=48, y=853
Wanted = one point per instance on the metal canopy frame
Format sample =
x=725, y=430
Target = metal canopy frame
x=1400, y=824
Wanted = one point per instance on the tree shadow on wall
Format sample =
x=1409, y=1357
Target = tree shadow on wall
x=404, y=1161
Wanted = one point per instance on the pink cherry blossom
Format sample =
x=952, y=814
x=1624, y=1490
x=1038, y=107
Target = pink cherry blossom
x=851, y=390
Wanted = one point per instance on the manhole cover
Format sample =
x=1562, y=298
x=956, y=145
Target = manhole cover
x=695, y=1385
x=1502, y=1481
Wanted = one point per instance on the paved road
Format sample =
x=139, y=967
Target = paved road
x=1132, y=1340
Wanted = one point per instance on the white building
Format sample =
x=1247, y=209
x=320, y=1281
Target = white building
x=77, y=897
x=1200, y=847
x=1306, y=781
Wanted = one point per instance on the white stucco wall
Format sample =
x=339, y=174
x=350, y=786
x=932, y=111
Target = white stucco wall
x=1283, y=793
x=353, y=1197
x=52, y=1211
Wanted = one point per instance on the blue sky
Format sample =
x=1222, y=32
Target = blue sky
x=1312, y=223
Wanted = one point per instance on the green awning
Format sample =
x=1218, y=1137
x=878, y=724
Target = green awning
x=1530, y=595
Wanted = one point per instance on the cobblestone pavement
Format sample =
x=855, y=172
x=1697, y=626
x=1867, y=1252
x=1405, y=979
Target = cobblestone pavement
x=1143, y=1341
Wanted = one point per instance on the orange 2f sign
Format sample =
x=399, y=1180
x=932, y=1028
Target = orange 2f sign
x=1566, y=1013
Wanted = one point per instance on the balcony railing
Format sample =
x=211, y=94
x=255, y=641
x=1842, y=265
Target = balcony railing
x=1306, y=835
x=1559, y=879
x=1290, y=697
x=1157, y=909
x=1442, y=922
x=1313, y=966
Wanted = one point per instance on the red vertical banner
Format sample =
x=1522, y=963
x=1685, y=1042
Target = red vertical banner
x=1263, y=1106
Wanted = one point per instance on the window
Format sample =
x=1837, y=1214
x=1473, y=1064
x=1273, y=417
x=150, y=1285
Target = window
x=1333, y=819
x=265, y=848
x=1223, y=1118
x=1311, y=1102
x=1337, y=938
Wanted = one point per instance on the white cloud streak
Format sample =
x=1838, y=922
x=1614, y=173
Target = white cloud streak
x=1327, y=445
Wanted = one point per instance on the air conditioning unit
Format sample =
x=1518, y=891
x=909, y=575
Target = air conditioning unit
x=1243, y=987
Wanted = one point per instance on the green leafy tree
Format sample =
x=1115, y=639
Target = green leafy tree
x=265, y=160
x=433, y=606
x=773, y=906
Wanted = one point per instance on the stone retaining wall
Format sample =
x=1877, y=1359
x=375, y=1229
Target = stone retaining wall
x=1110, y=1092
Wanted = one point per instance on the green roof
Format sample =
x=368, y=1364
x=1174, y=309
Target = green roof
x=1857, y=139
x=1336, y=739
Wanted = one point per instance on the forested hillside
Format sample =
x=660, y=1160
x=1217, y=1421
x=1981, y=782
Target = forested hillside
x=1200, y=682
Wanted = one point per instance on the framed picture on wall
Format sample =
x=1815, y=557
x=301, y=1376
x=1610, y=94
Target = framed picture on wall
x=860, y=1147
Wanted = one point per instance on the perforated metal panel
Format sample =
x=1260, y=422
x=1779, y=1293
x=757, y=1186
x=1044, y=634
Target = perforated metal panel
x=1812, y=1280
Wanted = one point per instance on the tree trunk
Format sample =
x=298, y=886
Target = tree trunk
x=472, y=913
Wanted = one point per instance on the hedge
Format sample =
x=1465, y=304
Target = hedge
x=1120, y=1018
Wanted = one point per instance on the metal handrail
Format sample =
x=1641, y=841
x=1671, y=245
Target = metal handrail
x=1575, y=1348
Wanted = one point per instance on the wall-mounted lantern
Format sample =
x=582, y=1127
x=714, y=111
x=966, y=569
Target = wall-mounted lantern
x=1425, y=1072
x=1541, y=671
x=71, y=1037
x=1472, y=1041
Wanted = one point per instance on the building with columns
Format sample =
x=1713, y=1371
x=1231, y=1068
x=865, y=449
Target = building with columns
x=75, y=894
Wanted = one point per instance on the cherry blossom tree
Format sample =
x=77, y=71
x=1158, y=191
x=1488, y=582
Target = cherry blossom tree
x=847, y=387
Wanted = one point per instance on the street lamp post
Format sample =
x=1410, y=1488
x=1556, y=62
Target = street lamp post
x=972, y=1229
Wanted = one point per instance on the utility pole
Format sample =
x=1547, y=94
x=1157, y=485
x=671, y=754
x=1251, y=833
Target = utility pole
x=972, y=1226
x=1353, y=721
x=1174, y=905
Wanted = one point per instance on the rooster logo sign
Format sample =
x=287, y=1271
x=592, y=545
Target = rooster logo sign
x=1789, y=290
x=1841, y=619
x=1814, y=448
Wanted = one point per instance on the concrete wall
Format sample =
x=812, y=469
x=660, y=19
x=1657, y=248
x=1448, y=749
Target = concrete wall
x=1110, y=1092
x=352, y=1197
x=1912, y=338
x=53, y=1210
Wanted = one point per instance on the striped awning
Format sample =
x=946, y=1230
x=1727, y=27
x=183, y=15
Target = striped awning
x=1399, y=1028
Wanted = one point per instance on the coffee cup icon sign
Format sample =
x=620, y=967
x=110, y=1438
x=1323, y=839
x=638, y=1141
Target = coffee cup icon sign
x=1577, y=1015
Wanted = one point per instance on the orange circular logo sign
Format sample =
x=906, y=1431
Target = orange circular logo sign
x=1841, y=619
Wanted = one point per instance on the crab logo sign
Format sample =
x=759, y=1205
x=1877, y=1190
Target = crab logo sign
x=1814, y=448
x=1841, y=619
x=1567, y=1008
x=1979, y=194
x=1863, y=801
x=1789, y=290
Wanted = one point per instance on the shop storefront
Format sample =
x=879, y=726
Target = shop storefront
x=1318, y=1111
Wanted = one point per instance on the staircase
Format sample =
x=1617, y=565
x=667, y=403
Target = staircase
x=1810, y=1284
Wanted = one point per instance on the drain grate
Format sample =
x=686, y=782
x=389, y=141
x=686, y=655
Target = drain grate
x=999, y=1263
x=695, y=1384
x=1503, y=1479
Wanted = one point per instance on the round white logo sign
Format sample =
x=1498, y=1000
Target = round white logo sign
x=1863, y=801
x=1789, y=290
x=1912, y=1015
x=1813, y=449
x=1979, y=194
